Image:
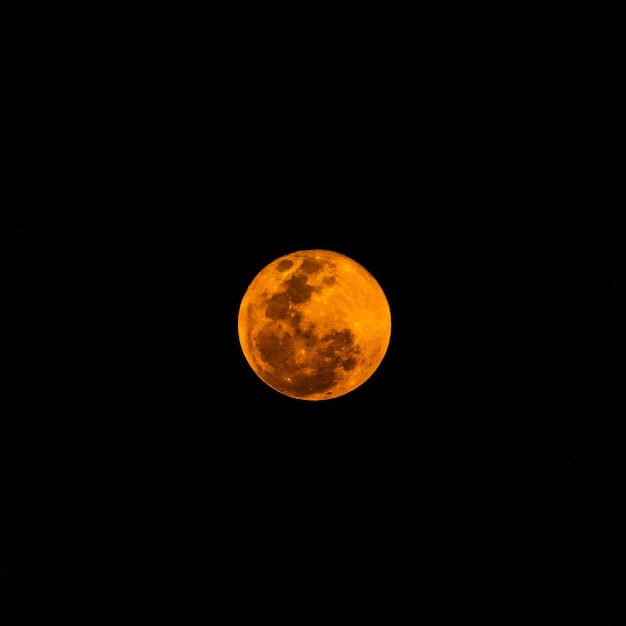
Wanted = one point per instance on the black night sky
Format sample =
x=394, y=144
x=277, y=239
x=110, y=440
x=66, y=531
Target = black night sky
x=473, y=164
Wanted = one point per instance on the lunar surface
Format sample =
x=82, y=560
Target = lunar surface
x=314, y=324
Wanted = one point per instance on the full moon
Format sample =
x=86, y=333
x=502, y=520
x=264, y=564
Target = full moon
x=314, y=324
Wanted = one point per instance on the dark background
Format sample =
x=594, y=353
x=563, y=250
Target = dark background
x=472, y=160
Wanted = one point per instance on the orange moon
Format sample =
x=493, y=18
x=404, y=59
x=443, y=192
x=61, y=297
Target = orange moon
x=314, y=324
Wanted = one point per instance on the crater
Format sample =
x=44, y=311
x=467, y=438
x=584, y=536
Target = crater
x=296, y=292
x=309, y=384
x=297, y=289
x=319, y=374
x=284, y=265
x=276, y=351
x=311, y=266
x=339, y=340
x=291, y=376
x=348, y=364
x=307, y=334
x=277, y=306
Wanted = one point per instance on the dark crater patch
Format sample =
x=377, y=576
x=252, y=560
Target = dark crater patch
x=296, y=292
x=311, y=266
x=297, y=289
x=295, y=317
x=275, y=351
x=335, y=350
x=328, y=281
x=349, y=364
x=308, y=384
x=284, y=265
x=307, y=334
x=339, y=349
x=277, y=306
x=339, y=340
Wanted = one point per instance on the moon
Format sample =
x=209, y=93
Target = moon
x=314, y=324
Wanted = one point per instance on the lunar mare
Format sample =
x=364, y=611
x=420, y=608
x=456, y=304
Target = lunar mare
x=314, y=324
